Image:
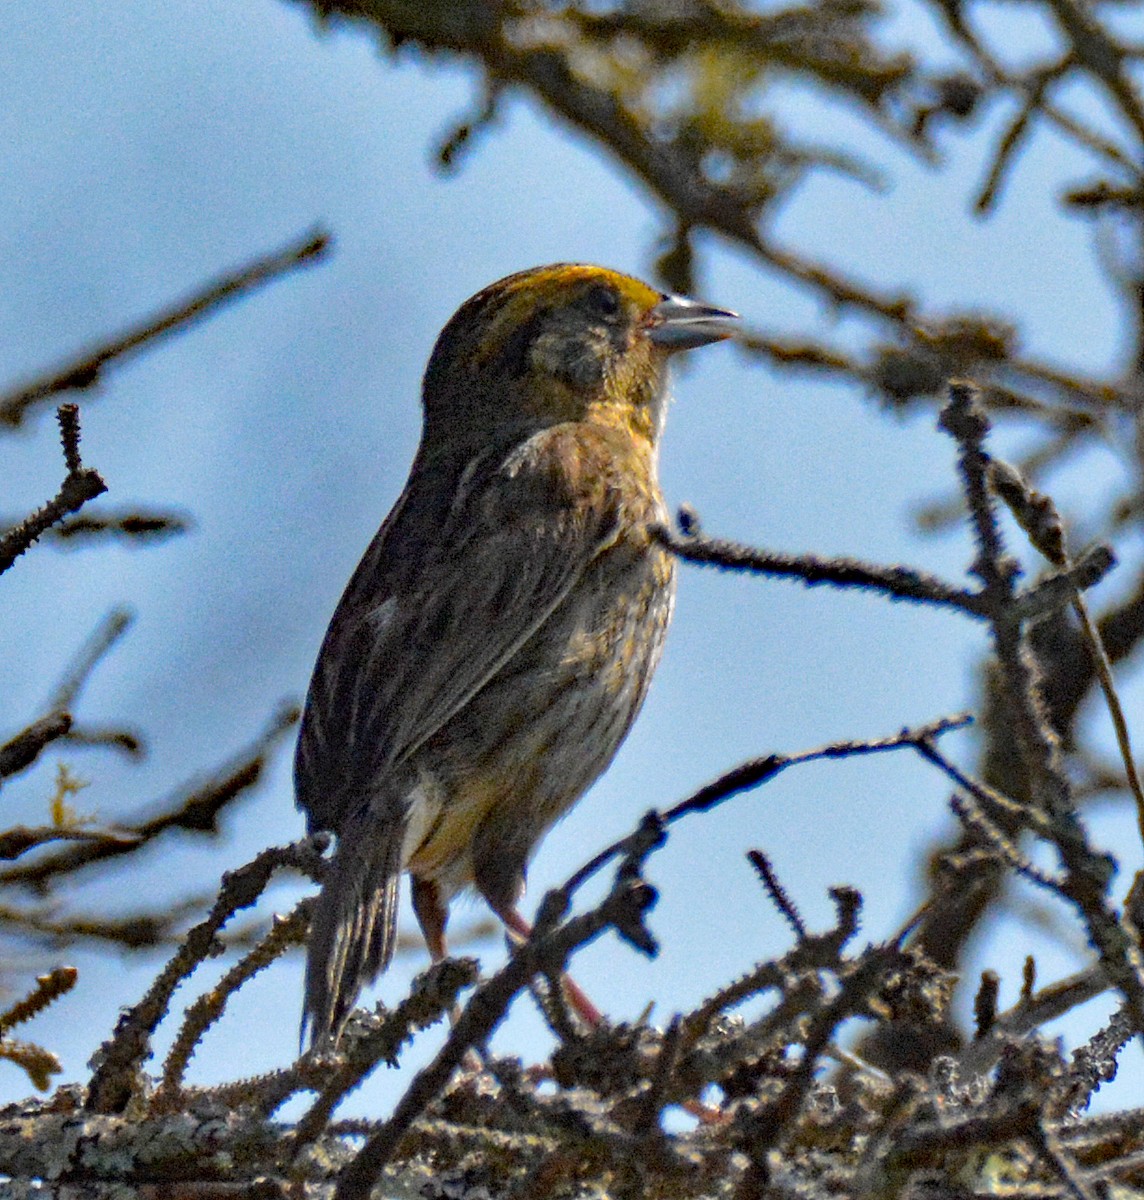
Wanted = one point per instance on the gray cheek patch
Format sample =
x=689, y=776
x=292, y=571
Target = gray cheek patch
x=576, y=358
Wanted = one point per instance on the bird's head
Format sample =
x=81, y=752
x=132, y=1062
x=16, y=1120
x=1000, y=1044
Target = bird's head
x=556, y=343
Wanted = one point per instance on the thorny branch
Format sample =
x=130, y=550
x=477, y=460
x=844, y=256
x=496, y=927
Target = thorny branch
x=80, y=485
x=122, y=1056
x=49, y=988
x=749, y=775
x=896, y=583
x=432, y=996
x=40, y=1064
x=1048, y=814
x=616, y=1081
x=204, y=1012
x=1087, y=874
x=547, y=949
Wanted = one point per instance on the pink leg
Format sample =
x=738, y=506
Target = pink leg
x=431, y=915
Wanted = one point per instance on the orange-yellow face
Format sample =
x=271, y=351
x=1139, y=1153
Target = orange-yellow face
x=553, y=343
x=569, y=297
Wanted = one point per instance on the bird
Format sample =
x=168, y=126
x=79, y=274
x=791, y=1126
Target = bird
x=497, y=639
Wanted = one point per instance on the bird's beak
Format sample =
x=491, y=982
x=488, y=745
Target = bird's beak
x=677, y=323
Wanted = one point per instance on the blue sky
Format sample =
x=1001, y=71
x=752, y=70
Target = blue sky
x=148, y=147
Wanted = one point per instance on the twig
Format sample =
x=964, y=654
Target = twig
x=813, y=953
x=1017, y=132
x=985, y=1004
x=646, y=1124
x=980, y=1056
x=87, y=368
x=1085, y=136
x=19, y=839
x=758, y=770
x=1095, y=1062
x=133, y=931
x=898, y=583
x=120, y=1058
x=205, y=1011
x=1101, y=55
x=1051, y=1152
x=766, y=1127
x=80, y=485
x=195, y=808
x=1038, y=517
x=49, y=988
x=100, y=643
x=924, y=1145
x=39, y=1063
x=26, y=747
x=805, y=355
x=130, y=526
x=433, y=995
x=972, y=817
x=128, y=742
x=777, y=892
x=1112, y=703
x=23, y=750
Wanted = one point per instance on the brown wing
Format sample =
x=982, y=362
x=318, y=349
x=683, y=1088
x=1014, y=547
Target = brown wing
x=441, y=601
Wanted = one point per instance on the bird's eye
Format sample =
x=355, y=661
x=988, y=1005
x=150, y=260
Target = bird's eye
x=603, y=300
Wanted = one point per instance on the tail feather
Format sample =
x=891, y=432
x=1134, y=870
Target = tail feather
x=354, y=928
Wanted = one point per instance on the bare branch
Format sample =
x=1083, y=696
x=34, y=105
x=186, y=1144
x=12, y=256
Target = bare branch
x=897, y=582
x=195, y=808
x=80, y=485
x=100, y=643
x=122, y=1056
x=131, y=527
x=49, y=988
x=22, y=751
x=87, y=369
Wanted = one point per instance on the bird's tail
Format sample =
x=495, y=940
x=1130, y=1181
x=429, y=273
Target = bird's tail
x=354, y=927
